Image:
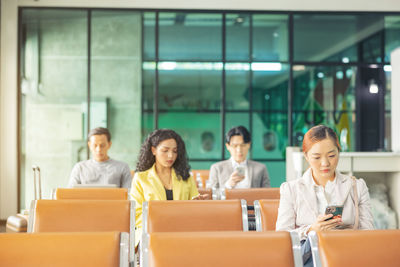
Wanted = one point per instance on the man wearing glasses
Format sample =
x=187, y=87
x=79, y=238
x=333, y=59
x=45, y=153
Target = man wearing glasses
x=238, y=171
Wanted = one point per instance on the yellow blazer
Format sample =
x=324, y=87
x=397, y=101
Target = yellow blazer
x=147, y=186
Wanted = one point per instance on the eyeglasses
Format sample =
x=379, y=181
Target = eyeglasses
x=235, y=146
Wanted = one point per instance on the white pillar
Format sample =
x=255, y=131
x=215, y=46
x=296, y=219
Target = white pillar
x=8, y=109
x=395, y=98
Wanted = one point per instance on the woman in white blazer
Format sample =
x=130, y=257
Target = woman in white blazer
x=303, y=201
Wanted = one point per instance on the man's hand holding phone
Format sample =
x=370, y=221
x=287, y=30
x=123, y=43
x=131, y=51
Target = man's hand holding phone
x=236, y=176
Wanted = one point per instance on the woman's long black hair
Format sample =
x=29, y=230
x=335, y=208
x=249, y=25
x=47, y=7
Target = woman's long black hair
x=146, y=158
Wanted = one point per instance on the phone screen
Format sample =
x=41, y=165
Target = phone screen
x=335, y=210
x=240, y=170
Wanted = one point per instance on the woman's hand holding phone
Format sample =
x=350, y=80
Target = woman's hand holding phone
x=200, y=197
x=325, y=222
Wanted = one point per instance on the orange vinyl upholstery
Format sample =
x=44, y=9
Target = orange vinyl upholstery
x=204, y=174
x=233, y=249
x=369, y=248
x=269, y=213
x=252, y=194
x=92, y=193
x=60, y=249
x=81, y=215
x=192, y=215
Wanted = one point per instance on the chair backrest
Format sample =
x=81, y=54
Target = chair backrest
x=83, y=216
x=108, y=249
x=92, y=193
x=191, y=215
x=266, y=211
x=199, y=249
x=204, y=174
x=252, y=194
x=356, y=248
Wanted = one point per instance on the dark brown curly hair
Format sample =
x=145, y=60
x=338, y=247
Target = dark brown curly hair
x=146, y=158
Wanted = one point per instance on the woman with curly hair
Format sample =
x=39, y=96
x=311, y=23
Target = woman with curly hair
x=162, y=173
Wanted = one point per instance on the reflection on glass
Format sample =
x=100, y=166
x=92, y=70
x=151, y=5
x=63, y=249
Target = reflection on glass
x=149, y=35
x=371, y=48
x=270, y=89
x=269, y=135
x=324, y=95
x=333, y=37
x=237, y=37
x=192, y=89
x=276, y=171
x=192, y=126
x=147, y=124
x=53, y=81
x=237, y=88
x=233, y=119
x=190, y=36
x=270, y=37
x=115, y=79
x=200, y=165
x=392, y=33
x=148, y=84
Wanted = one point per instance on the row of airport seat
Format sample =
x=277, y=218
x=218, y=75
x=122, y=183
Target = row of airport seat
x=166, y=219
x=368, y=248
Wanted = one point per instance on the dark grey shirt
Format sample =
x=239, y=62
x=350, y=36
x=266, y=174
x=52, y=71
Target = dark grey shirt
x=105, y=172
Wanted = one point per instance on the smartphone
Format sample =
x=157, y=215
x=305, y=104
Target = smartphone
x=335, y=210
x=240, y=170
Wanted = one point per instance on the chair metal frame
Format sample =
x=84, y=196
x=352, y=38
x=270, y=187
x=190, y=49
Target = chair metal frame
x=257, y=212
x=132, y=256
x=314, y=249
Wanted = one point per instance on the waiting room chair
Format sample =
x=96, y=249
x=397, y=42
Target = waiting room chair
x=367, y=248
x=83, y=216
x=233, y=249
x=191, y=215
x=92, y=193
x=266, y=211
x=203, y=174
x=101, y=249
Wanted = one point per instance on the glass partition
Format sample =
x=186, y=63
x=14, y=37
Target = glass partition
x=325, y=95
x=53, y=94
x=115, y=77
x=337, y=38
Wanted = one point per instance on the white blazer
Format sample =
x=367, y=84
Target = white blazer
x=298, y=204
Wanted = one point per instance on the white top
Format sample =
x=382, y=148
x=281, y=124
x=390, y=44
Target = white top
x=325, y=196
x=299, y=205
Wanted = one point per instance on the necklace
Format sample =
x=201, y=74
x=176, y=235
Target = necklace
x=166, y=181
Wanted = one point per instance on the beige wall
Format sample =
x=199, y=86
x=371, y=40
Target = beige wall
x=8, y=57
